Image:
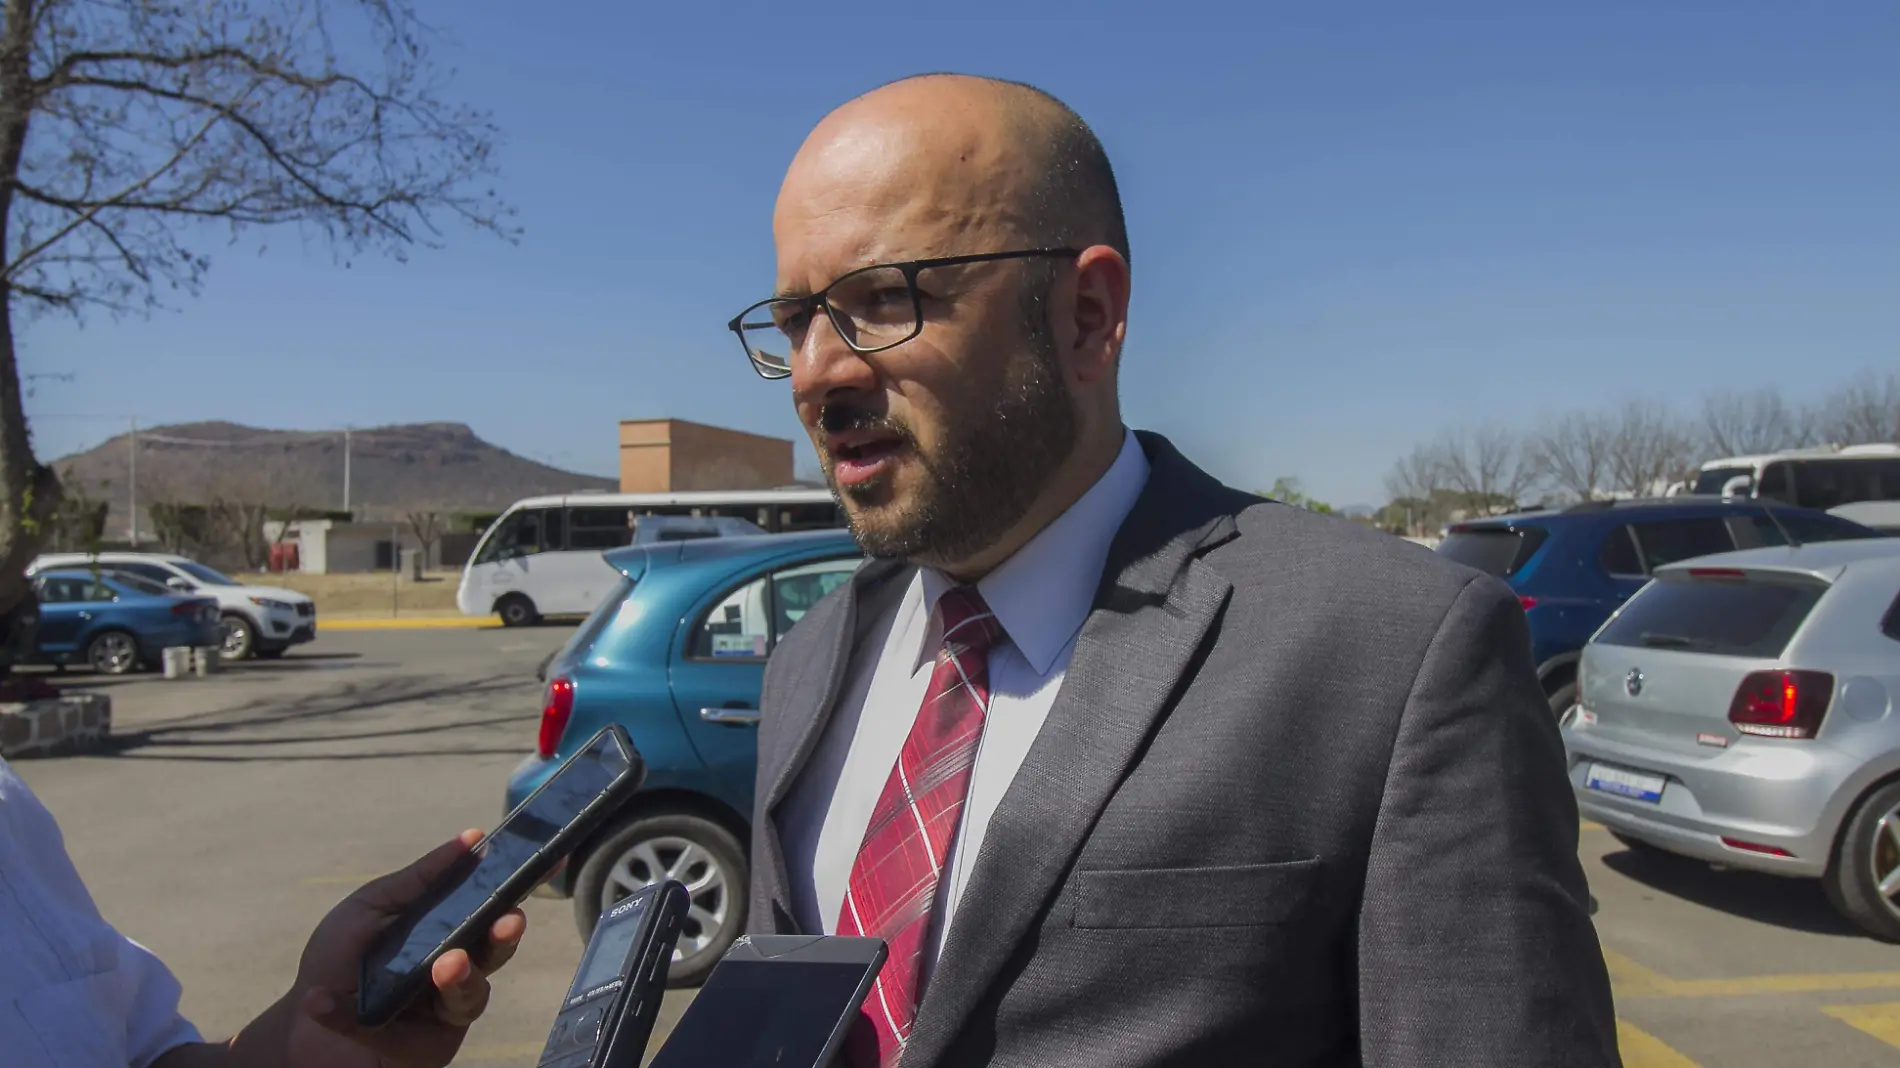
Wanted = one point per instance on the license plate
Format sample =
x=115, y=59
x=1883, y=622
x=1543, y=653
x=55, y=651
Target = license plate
x=1625, y=783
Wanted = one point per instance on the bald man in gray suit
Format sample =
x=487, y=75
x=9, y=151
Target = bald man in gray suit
x=1129, y=768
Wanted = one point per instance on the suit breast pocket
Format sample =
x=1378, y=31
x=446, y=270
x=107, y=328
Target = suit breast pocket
x=1246, y=895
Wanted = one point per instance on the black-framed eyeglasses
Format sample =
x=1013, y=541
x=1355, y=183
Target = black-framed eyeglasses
x=873, y=308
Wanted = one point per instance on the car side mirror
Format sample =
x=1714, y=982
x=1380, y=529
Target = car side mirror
x=1737, y=487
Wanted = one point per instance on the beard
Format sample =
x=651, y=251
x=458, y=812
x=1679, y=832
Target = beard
x=999, y=450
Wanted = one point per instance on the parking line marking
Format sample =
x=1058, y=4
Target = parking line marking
x=1630, y=979
x=1634, y=980
x=1881, y=1021
x=1820, y=982
x=1644, y=1050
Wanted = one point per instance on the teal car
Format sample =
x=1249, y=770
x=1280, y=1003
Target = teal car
x=676, y=655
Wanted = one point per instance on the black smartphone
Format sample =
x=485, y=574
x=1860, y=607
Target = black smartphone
x=608, y=1013
x=498, y=873
x=775, y=1001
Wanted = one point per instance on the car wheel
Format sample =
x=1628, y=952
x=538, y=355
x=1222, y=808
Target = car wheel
x=113, y=653
x=697, y=852
x=1562, y=699
x=239, y=637
x=1864, y=878
x=516, y=610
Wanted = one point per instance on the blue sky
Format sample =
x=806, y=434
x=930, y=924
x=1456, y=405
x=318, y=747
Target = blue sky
x=1353, y=224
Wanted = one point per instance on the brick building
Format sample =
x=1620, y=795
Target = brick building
x=673, y=455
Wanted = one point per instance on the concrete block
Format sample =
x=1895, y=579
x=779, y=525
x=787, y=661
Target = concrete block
x=66, y=724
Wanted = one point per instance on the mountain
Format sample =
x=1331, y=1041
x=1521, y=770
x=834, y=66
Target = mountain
x=440, y=467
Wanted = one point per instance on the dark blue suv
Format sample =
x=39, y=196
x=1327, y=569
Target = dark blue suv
x=1572, y=568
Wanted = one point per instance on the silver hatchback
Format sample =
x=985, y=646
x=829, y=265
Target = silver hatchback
x=1744, y=709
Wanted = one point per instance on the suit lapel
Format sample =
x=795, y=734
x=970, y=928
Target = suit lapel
x=805, y=707
x=1152, y=613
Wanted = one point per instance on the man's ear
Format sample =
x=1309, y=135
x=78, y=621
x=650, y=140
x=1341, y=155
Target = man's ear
x=1100, y=311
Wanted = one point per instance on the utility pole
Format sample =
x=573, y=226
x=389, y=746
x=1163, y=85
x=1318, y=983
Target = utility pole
x=132, y=484
x=346, y=468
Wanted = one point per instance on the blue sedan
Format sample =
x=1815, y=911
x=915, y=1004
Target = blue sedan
x=676, y=655
x=114, y=621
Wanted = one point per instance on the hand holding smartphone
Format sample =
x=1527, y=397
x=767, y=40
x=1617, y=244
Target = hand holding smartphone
x=498, y=873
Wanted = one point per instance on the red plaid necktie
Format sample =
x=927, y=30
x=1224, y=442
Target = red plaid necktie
x=893, y=888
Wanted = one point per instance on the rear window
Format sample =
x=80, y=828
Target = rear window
x=1665, y=541
x=1500, y=551
x=583, y=639
x=1720, y=617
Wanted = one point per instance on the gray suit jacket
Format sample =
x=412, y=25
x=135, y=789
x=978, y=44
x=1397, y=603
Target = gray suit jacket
x=1300, y=801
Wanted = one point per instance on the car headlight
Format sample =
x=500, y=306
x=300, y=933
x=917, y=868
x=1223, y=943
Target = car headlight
x=267, y=602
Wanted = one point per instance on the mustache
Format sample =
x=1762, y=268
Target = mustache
x=840, y=418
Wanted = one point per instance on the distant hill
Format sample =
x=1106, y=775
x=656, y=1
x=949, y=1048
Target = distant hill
x=393, y=470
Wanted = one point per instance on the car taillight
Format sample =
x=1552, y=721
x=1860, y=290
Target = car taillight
x=554, y=714
x=186, y=608
x=1756, y=847
x=1782, y=704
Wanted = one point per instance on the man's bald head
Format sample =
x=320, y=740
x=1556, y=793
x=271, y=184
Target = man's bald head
x=1065, y=195
x=999, y=407
x=1072, y=198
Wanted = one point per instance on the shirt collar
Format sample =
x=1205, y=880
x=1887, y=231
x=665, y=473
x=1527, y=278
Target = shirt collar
x=1042, y=595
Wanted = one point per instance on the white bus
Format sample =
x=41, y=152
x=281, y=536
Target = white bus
x=542, y=557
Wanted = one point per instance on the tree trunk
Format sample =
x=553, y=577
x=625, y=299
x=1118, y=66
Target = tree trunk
x=29, y=493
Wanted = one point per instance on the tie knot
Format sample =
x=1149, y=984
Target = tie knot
x=968, y=624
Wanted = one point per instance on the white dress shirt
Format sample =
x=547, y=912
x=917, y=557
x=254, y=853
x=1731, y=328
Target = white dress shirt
x=1041, y=596
x=74, y=992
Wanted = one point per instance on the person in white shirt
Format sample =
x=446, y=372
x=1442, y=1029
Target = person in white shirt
x=76, y=993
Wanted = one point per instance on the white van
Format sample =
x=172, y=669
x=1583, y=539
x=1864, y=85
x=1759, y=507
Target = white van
x=542, y=557
x=1823, y=478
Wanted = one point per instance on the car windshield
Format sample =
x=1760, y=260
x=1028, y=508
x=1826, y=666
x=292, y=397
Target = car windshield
x=204, y=574
x=140, y=583
x=1712, y=480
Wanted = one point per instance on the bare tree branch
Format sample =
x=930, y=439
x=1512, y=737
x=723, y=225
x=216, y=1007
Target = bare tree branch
x=1573, y=454
x=1740, y=424
x=1863, y=412
x=88, y=215
x=128, y=125
x=1652, y=448
x=1488, y=466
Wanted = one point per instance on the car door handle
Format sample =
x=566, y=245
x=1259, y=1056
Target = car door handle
x=737, y=717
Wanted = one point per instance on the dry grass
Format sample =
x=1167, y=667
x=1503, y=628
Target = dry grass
x=371, y=595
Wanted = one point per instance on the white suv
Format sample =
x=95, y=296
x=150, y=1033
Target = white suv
x=258, y=620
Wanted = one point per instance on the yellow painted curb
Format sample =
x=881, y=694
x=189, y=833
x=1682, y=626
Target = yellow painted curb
x=420, y=623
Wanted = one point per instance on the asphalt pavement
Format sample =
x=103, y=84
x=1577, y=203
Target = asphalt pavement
x=235, y=811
